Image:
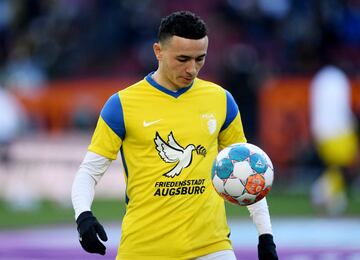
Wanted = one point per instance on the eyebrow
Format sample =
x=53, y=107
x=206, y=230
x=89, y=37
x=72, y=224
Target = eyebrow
x=187, y=57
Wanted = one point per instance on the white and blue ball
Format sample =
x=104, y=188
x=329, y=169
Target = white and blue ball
x=242, y=174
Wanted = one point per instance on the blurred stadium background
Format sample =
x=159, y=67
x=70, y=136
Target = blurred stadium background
x=62, y=59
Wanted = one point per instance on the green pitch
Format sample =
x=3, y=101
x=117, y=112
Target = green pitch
x=49, y=213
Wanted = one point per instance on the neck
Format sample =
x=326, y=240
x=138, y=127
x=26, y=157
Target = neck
x=158, y=77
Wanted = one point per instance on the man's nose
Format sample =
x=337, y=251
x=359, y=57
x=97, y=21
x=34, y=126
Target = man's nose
x=191, y=67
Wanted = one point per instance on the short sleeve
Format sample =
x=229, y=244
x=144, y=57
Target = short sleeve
x=110, y=129
x=232, y=130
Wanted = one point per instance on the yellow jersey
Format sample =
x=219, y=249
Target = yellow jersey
x=168, y=142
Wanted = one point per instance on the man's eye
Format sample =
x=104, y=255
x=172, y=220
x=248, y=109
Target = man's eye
x=182, y=60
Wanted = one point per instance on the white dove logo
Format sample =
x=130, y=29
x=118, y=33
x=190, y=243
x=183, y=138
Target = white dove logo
x=172, y=152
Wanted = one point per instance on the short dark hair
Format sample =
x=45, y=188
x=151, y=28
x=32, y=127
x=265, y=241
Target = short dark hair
x=184, y=24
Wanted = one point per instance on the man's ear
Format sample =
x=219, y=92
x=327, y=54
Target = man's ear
x=157, y=50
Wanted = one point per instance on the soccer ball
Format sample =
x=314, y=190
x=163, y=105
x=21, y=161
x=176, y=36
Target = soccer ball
x=242, y=174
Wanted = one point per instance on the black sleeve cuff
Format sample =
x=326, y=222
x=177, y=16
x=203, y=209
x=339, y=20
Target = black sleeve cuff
x=266, y=239
x=84, y=215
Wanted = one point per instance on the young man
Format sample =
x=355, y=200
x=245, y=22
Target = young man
x=335, y=137
x=169, y=128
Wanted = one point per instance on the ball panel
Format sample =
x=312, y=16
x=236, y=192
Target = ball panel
x=229, y=198
x=246, y=199
x=224, y=168
x=269, y=177
x=239, y=153
x=258, y=163
x=242, y=170
x=218, y=184
x=263, y=193
x=255, y=183
x=234, y=187
x=260, y=151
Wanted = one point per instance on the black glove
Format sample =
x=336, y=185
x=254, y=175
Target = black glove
x=89, y=229
x=267, y=248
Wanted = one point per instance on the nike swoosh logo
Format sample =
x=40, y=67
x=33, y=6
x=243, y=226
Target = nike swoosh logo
x=146, y=124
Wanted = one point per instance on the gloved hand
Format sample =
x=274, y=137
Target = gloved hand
x=267, y=248
x=89, y=229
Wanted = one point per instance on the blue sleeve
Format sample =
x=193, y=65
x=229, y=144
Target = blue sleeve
x=231, y=110
x=112, y=114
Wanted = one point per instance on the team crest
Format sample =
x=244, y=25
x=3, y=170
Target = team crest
x=172, y=152
x=208, y=123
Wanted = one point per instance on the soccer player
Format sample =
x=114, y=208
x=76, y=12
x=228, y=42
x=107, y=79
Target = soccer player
x=334, y=136
x=168, y=128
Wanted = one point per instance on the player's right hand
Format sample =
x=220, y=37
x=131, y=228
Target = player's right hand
x=90, y=230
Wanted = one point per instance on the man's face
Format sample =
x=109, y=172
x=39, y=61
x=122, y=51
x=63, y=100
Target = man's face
x=180, y=60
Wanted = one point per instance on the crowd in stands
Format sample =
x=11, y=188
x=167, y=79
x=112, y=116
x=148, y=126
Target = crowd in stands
x=250, y=41
x=42, y=40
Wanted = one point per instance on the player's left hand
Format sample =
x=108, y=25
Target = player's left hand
x=267, y=248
